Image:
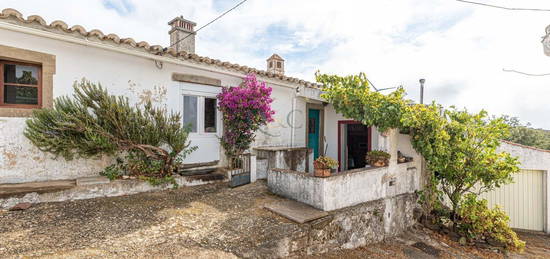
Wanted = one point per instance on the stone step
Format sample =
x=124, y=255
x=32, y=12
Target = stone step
x=19, y=189
x=295, y=211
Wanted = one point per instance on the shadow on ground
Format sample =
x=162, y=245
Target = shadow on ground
x=209, y=221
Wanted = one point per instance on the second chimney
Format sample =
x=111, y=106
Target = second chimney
x=182, y=29
x=276, y=64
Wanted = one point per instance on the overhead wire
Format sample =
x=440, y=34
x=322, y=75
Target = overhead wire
x=217, y=18
x=504, y=7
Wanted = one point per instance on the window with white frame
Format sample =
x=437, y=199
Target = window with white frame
x=200, y=113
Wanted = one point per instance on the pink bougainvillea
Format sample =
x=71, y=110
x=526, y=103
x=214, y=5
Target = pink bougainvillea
x=245, y=109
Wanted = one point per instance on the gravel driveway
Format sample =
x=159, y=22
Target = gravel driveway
x=209, y=221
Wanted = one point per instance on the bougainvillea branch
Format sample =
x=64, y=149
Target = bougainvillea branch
x=245, y=109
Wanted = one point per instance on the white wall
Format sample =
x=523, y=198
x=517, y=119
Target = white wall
x=533, y=159
x=404, y=145
x=347, y=189
x=134, y=77
x=289, y=118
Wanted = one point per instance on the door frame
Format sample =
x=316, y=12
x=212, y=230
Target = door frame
x=321, y=109
x=347, y=122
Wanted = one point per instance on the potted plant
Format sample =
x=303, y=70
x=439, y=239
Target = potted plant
x=378, y=158
x=323, y=166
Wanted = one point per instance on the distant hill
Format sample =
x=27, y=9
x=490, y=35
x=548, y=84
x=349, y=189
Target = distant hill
x=525, y=135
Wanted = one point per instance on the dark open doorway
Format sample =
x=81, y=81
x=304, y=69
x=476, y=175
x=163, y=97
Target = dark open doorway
x=354, y=142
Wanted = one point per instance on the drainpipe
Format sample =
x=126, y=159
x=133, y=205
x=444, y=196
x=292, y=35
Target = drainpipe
x=292, y=127
x=422, y=81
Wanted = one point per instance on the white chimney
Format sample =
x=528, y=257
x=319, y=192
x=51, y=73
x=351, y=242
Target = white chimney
x=182, y=29
x=276, y=64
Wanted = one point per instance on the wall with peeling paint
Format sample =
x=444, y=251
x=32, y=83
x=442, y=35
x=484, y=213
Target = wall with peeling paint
x=20, y=161
x=134, y=77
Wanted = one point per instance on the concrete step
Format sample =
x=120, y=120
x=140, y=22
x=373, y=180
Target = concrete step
x=217, y=175
x=19, y=189
x=92, y=180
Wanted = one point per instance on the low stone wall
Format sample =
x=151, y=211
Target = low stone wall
x=347, y=188
x=111, y=189
x=348, y=228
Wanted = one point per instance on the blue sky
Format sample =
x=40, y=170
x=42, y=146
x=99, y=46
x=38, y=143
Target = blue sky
x=460, y=49
x=122, y=7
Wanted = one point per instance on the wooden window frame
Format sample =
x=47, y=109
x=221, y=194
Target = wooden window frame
x=47, y=62
x=3, y=85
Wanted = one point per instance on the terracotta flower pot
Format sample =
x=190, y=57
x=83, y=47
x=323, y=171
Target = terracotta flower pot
x=379, y=163
x=321, y=172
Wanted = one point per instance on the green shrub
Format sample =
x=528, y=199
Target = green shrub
x=479, y=223
x=94, y=123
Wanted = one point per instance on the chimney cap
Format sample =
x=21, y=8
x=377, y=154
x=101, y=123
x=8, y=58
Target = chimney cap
x=180, y=18
x=276, y=57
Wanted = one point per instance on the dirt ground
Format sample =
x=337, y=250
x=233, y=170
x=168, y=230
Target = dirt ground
x=210, y=221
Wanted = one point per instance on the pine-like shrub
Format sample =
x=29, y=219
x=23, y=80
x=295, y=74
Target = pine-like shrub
x=94, y=123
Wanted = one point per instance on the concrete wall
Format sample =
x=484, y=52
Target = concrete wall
x=111, y=189
x=138, y=79
x=533, y=159
x=297, y=159
x=345, y=189
x=404, y=145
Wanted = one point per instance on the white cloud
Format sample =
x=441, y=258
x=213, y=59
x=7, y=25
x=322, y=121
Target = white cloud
x=460, y=49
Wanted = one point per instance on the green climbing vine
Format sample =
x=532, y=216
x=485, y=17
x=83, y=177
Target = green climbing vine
x=460, y=148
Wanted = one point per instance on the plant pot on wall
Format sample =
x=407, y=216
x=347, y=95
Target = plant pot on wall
x=321, y=172
x=377, y=158
x=379, y=163
x=323, y=166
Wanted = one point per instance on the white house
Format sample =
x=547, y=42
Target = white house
x=55, y=55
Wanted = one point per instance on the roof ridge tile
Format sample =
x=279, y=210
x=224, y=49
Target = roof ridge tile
x=154, y=49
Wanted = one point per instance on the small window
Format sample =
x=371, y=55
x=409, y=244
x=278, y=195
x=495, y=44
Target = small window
x=210, y=115
x=271, y=64
x=20, y=85
x=190, y=112
x=278, y=64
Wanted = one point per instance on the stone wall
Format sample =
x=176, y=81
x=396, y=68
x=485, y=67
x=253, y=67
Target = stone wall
x=292, y=158
x=349, y=228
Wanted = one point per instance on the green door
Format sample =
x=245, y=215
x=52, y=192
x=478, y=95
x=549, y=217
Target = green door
x=313, y=132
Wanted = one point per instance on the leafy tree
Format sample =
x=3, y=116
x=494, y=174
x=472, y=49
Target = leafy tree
x=525, y=135
x=460, y=148
x=94, y=123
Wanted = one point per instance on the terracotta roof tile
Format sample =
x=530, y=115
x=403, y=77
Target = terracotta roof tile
x=61, y=27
